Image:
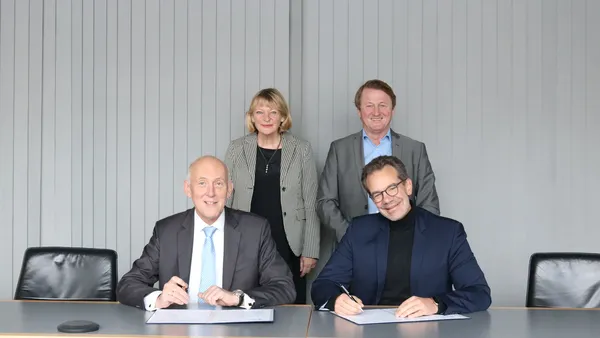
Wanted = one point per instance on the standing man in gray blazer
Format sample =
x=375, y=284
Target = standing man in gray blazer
x=210, y=254
x=341, y=196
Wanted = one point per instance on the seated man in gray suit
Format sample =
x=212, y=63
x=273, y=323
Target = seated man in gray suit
x=341, y=196
x=201, y=254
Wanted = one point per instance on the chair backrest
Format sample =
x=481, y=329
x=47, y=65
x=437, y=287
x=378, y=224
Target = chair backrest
x=567, y=279
x=63, y=273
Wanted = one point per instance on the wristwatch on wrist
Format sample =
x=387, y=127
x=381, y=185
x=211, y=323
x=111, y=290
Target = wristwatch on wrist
x=240, y=295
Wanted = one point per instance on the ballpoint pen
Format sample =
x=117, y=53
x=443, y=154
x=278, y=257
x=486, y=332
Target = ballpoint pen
x=348, y=294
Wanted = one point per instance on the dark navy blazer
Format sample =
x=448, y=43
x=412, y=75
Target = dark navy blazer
x=441, y=259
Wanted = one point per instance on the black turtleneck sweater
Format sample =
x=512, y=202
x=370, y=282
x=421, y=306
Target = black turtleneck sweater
x=397, y=279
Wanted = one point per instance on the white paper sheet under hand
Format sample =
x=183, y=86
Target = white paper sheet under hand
x=193, y=316
x=381, y=316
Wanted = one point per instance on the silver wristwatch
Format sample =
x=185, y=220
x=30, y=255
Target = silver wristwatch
x=240, y=295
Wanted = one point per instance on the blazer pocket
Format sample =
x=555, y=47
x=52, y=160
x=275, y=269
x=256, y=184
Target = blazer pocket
x=301, y=214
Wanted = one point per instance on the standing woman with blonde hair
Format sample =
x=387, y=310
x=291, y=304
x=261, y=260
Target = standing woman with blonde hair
x=274, y=175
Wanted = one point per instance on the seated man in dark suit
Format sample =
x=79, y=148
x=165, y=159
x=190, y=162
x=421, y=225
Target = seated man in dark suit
x=403, y=256
x=201, y=254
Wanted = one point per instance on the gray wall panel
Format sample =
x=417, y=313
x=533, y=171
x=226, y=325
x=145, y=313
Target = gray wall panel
x=100, y=112
x=7, y=93
x=208, y=130
x=124, y=127
x=180, y=104
x=223, y=78
x=50, y=229
x=152, y=116
x=20, y=131
x=137, y=218
x=239, y=103
x=166, y=117
x=34, y=151
x=76, y=123
x=111, y=122
x=87, y=158
x=63, y=150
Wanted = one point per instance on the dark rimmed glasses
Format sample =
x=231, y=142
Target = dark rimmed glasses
x=391, y=191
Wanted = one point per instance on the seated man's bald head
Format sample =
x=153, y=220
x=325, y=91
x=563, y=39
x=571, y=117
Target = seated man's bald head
x=207, y=160
x=209, y=187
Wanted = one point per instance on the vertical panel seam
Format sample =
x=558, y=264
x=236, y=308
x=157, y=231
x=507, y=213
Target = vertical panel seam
x=105, y=123
x=12, y=263
x=130, y=115
x=229, y=80
x=117, y=96
x=82, y=150
x=173, y=117
x=28, y=120
x=187, y=80
x=145, y=120
x=54, y=117
x=214, y=98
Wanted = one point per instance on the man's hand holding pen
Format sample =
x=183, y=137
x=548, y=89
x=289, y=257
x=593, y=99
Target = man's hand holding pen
x=344, y=305
x=174, y=292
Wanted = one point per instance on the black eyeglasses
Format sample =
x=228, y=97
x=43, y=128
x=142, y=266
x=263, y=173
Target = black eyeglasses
x=392, y=190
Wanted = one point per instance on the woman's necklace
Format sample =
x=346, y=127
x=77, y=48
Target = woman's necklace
x=271, y=158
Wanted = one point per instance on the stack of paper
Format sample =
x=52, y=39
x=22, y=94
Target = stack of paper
x=380, y=316
x=194, y=316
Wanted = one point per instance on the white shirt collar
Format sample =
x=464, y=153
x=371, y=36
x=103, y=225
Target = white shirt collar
x=219, y=223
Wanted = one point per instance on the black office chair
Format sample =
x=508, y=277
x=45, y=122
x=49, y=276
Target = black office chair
x=63, y=273
x=569, y=279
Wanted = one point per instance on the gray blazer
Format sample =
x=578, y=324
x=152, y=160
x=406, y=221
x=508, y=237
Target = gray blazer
x=341, y=195
x=298, y=181
x=251, y=262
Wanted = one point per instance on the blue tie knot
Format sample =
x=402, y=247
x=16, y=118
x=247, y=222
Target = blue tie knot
x=209, y=231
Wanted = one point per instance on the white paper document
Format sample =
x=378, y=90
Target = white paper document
x=381, y=316
x=194, y=316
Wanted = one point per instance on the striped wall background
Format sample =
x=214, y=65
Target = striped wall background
x=103, y=103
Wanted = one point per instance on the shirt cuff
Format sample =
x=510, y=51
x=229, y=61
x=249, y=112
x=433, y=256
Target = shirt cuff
x=247, y=302
x=150, y=300
x=330, y=305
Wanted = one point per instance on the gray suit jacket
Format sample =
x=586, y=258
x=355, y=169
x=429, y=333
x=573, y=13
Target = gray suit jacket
x=341, y=195
x=251, y=262
x=298, y=181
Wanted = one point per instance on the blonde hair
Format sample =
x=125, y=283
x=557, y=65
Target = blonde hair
x=272, y=98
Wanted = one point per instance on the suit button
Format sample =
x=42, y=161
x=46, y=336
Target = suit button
x=284, y=213
x=366, y=207
x=283, y=188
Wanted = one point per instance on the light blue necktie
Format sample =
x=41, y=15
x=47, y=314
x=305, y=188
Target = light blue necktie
x=208, y=275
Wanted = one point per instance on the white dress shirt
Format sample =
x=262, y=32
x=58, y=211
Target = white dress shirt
x=199, y=238
x=196, y=264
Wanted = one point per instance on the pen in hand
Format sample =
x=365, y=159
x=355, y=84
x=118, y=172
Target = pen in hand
x=348, y=294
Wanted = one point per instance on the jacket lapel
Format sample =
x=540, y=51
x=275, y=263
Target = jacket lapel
x=185, y=240
x=250, y=155
x=359, y=158
x=383, y=239
x=230, y=254
x=418, y=252
x=287, y=151
x=396, y=144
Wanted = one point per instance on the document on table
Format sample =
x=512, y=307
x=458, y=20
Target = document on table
x=194, y=316
x=381, y=316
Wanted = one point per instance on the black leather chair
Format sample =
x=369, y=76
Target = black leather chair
x=569, y=279
x=63, y=273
